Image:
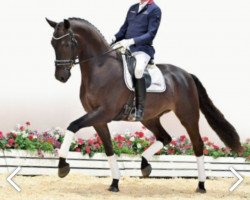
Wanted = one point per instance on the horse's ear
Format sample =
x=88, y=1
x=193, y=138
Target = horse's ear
x=51, y=23
x=66, y=24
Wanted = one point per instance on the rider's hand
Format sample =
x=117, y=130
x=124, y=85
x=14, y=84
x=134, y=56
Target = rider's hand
x=124, y=43
x=113, y=40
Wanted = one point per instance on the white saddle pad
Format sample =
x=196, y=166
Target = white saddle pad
x=157, y=80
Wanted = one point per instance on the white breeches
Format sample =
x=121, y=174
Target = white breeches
x=142, y=60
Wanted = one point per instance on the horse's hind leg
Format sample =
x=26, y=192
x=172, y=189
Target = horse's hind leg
x=189, y=118
x=104, y=134
x=162, y=138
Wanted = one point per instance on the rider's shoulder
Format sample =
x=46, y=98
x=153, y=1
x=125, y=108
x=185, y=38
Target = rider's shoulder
x=133, y=6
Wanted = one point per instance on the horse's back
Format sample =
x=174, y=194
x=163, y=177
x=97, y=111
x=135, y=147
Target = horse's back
x=175, y=74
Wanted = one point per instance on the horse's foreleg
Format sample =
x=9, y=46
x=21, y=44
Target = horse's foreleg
x=104, y=134
x=162, y=138
x=96, y=117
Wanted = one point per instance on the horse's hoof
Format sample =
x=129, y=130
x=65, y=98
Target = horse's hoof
x=113, y=189
x=63, y=171
x=202, y=191
x=146, y=171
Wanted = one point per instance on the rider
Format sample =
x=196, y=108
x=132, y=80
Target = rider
x=137, y=33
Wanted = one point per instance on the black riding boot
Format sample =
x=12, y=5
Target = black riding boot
x=140, y=95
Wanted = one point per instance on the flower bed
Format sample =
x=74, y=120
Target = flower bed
x=24, y=138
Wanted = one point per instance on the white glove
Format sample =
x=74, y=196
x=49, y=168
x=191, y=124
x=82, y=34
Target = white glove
x=124, y=43
x=113, y=39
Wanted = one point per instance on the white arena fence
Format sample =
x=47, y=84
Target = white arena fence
x=163, y=166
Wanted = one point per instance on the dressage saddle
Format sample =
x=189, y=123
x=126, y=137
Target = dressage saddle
x=131, y=63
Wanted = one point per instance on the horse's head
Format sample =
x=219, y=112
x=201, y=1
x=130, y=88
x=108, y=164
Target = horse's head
x=65, y=46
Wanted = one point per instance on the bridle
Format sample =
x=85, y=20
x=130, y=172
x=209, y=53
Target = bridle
x=73, y=45
x=74, y=60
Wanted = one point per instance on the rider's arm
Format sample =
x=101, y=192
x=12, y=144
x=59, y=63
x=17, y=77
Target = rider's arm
x=121, y=34
x=154, y=23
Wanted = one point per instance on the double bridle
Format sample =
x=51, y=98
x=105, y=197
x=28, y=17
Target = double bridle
x=73, y=44
x=74, y=58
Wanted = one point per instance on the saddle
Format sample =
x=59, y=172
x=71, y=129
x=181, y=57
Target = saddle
x=131, y=63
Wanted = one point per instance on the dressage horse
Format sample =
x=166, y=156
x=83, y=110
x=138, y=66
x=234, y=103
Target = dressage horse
x=103, y=93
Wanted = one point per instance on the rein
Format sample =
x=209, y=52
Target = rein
x=74, y=59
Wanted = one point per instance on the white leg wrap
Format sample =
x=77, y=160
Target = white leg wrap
x=63, y=152
x=154, y=148
x=201, y=169
x=114, y=167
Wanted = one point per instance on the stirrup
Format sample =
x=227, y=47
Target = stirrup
x=138, y=115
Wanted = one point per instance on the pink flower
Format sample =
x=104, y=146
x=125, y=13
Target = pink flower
x=91, y=141
x=77, y=149
x=1, y=135
x=248, y=157
x=88, y=149
x=80, y=141
x=205, y=152
x=216, y=147
x=183, y=138
x=205, y=139
x=27, y=123
x=21, y=128
x=97, y=146
x=173, y=142
x=11, y=141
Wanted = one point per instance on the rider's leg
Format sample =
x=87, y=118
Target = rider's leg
x=142, y=60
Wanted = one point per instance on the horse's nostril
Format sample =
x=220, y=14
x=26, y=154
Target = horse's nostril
x=62, y=79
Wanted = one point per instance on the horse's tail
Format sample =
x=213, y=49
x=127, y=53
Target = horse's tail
x=216, y=119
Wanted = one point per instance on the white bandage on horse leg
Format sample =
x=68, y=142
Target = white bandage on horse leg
x=114, y=167
x=154, y=148
x=63, y=152
x=201, y=169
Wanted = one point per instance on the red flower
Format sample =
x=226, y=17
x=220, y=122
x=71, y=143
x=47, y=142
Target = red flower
x=30, y=137
x=80, y=141
x=14, y=135
x=171, y=151
x=129, y=142
x=140, y=134
x=182, y=138
x=173, y=142
x=21, y=128
x=188, y=146
x=88, y=149
x=27, y=123
x=119, y=138
x=11, y=141
x=216, y=147
x=77, y=149
x=91, y=142
x=205, y=139
x=119, y=145
x=205, y=152
x=50, y=140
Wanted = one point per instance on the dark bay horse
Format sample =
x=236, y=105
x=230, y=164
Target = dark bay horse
x=103, y=94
